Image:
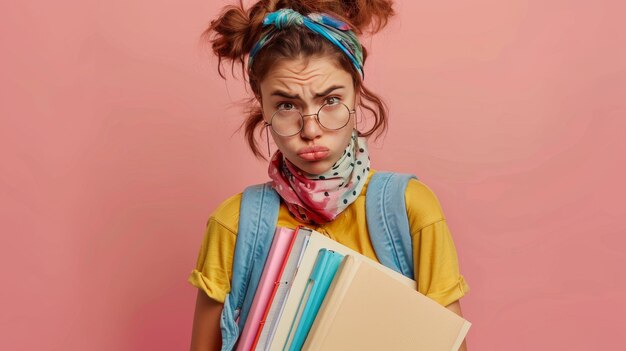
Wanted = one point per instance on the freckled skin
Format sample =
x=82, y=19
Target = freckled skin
x=305, y=80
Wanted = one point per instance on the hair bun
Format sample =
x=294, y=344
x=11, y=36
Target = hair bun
x=229, y=33
x=369, y=16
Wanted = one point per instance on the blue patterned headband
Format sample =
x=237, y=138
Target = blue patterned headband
x=336, y=31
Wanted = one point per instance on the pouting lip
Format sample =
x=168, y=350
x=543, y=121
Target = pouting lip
x=310, y=149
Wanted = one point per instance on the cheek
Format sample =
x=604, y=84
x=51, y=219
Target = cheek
x=283, y=144
x=346, y=137
x=342, y=141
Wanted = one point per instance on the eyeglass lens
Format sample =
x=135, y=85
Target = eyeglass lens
x=289, y=122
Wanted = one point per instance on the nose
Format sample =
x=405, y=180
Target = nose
x=311, y=128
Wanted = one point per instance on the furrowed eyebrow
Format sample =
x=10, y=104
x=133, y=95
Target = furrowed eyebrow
x=317, y=95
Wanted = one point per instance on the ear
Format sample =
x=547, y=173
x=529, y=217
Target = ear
x=259, y=99
x=357, y=101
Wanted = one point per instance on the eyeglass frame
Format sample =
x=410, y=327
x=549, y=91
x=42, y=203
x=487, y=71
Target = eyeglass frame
x=317, y=118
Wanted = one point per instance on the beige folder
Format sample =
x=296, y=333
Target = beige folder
x=366, y=309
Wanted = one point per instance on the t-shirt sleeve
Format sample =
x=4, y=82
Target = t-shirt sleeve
x=436, y=264
x=215, y=260
x=434, y=253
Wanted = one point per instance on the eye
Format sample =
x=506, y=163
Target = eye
x=285, y=106
x=333, y=100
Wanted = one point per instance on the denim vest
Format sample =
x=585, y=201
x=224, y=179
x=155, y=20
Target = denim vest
x=387, y=223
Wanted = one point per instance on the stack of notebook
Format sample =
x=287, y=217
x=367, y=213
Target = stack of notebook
x=316, y=294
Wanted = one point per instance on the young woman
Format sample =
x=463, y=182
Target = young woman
x=305, y=68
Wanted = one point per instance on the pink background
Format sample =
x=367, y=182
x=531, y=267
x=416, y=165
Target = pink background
x=117, y=140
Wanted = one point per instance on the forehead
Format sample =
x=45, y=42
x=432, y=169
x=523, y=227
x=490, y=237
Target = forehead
x=308, y=77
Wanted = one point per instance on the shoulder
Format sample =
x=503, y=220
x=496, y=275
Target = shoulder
x=422, y=205
x=227, y=213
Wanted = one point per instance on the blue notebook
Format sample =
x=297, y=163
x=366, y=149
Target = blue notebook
x=322, y=275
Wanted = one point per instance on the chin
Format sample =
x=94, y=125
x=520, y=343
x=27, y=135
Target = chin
x=315, y=168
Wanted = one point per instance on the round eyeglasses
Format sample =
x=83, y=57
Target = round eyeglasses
x=289, y=122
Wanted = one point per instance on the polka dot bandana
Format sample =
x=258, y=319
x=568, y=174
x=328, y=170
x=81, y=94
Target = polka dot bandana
x=320, y=198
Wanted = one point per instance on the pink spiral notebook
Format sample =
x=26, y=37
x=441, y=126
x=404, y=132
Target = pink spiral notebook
x=275, y=258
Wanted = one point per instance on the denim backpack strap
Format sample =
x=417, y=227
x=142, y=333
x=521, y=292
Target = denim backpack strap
x=257, y=222
x=387, y=221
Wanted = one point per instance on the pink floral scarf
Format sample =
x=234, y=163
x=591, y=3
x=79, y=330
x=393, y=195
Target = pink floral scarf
x=320, y=198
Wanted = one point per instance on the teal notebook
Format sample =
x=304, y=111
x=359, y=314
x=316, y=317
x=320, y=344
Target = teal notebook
x=324, y=270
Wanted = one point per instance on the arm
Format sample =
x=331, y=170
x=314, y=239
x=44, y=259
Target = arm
x=456, y=308
x=206, y=334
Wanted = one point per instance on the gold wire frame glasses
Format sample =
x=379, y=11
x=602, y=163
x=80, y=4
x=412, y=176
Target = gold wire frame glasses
x=330, y=116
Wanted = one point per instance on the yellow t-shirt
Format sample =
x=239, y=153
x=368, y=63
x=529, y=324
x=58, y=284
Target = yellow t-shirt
x=434, y=254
